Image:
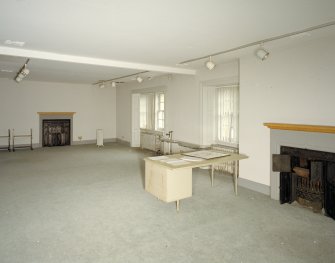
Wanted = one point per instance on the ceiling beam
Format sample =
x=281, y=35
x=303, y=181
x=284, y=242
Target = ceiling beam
x=26, y=53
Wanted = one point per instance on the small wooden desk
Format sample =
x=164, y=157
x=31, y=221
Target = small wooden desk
x=171, y=183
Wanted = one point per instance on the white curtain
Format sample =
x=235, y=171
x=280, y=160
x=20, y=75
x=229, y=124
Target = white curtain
x=147, y=111
x=227, y=113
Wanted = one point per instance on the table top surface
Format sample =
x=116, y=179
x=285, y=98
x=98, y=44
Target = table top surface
x=177, y=161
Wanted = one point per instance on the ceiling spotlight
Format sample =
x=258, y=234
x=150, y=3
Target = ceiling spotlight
x=113, y=84
x=21, y=75
x=102, y=85
x=24, y=71
x=210, y=64
x=262, y=53
x=139, y=79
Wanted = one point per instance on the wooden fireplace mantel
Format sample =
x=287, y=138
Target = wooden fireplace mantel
x=300, y=127
x=56, y=113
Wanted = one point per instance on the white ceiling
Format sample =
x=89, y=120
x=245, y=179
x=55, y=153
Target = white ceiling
x=112, y=38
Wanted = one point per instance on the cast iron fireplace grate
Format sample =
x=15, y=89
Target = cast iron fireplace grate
x=308, y=177
x=56, y=132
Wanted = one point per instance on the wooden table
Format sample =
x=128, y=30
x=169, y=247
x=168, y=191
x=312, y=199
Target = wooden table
x=173, y=182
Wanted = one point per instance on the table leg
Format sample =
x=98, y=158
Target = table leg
x=177, y=205
x=235, y=176
x=212, y=175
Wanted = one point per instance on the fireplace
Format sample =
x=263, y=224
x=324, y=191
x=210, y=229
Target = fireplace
x=306, y=171
x=52, y=131
x=56, y=132
x=308, y=177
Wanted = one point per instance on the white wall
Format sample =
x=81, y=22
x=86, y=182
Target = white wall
x=95, y=108
x=183, y=101
x=295, y=85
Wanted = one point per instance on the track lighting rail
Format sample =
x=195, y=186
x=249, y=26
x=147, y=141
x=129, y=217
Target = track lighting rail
x=332, y=23
x=118, y=78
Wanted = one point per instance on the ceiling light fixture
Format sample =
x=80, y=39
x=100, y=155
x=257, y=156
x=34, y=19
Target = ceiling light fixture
x=210, y=64
x=139, y=79
x=24, y=71
x=262, y=53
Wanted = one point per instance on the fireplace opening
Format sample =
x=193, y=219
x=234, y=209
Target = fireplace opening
x=56, y=132
x=307, y=177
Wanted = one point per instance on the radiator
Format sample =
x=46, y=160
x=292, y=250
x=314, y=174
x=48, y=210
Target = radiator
x=150, y=141
x=227, y=167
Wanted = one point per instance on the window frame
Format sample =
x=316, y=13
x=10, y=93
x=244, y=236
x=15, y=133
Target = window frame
x=156, y=108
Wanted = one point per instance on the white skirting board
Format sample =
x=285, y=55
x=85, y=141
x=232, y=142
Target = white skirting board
x=257, y=187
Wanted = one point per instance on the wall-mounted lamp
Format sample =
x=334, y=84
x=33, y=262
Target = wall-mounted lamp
x=139, y=79
x=262, y=53
x=113, y=84
x=210, y=64
x=24, y=71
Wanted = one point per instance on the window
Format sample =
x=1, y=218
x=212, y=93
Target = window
x=227, y=112
x=146, y=111
x=159, y=123
x=152, y=111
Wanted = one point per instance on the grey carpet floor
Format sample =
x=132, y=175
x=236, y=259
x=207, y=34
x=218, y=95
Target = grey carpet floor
x=87, y=204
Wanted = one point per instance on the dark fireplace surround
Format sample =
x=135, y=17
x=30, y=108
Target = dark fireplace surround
x=56, y=132
x=56, y=128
